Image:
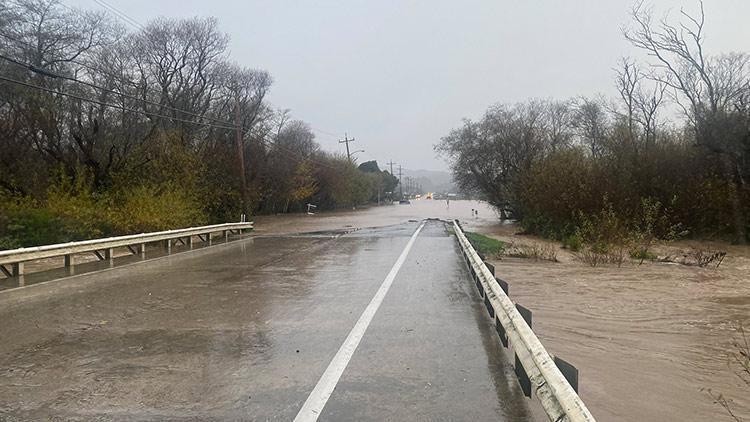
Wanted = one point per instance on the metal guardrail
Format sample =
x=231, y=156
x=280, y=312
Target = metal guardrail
x=136, y=243
x=558, y=398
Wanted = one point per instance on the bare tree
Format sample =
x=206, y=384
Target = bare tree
x=49, y=35
x=709, y=89
x=709, y=83
x=559, y=119
x=641, y=103
x=591, y=123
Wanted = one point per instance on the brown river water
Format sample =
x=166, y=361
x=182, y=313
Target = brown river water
x=649, y=340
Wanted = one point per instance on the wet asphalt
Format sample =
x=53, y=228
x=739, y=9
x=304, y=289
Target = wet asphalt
x=244, y=331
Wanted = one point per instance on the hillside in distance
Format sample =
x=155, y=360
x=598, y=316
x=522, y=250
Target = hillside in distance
x=433, y=180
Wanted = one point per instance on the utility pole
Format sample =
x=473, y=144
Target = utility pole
x=391, y=163
x=346, y=141
x=240, y=154
x=400, y=186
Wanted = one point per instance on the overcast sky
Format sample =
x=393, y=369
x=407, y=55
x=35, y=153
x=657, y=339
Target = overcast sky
x=398, y=75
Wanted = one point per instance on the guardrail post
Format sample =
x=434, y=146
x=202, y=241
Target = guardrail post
x=525, y=313
x=190, y=242
x=168, y=245
x=109, y=254
x=69, y=261
x=523, y=378
x=490, y=267
x=226, y=235
x=501, y=332
x=142, y=250
x=17, y=269
x=208, y=238
x=503, y=285
x=488, y=305
x=569, y=371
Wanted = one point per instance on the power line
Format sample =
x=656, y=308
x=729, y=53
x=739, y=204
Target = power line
x=132, y=22
x=325, y=132
x=105, y=104
x=223, y=124
x=122, y=15
x=261, y=138
x=123, y=81
x=50, y=74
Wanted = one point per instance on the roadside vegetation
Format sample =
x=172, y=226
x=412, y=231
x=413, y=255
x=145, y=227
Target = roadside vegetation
x=107, y=131
x=534, y=250
x=487, y=246
x=610, y=178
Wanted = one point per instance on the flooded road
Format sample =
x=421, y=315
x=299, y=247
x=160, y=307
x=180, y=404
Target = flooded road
x=648, y=340
x=246, y=330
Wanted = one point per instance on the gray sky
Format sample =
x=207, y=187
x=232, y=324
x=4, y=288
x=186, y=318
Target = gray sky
x=398, y=75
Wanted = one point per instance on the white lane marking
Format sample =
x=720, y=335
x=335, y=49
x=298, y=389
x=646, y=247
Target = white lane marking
x=324, y=388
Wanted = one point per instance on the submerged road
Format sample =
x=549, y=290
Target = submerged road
x=378, y=324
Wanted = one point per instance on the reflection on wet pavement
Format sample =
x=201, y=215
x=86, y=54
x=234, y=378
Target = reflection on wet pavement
x=244, y=330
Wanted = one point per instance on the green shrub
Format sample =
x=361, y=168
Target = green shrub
x=147, y=208
x=65, y=216
x=573, y=242
x=33, y=227
x=642, y=254
x=486, y=245
x=79, y=212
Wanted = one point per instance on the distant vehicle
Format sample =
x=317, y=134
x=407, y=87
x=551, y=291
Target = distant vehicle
x=404, y=202
x=428, y=195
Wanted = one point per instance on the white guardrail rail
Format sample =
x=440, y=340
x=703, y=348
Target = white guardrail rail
x=12, y=261
x=558, y=398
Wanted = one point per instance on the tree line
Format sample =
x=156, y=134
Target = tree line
x=592, y=169
x=107, y=131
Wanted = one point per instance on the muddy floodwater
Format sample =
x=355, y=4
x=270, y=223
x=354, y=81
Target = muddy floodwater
x=649, y=340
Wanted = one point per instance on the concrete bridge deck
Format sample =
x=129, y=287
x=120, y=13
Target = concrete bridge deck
x=247, y=330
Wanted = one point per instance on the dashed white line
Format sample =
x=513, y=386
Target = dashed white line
x=324, y=388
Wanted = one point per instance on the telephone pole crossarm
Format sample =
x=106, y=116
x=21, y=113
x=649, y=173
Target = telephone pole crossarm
x=346, y=141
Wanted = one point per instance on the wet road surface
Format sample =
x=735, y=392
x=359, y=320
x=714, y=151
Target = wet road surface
x=245, y=330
